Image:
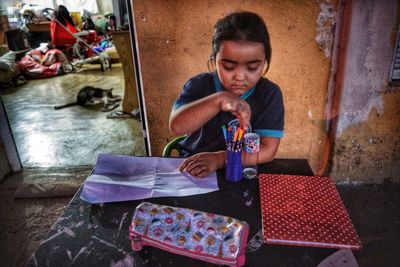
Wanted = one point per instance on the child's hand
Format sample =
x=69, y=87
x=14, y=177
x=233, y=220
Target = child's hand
x=202, y=164
x=238, y=107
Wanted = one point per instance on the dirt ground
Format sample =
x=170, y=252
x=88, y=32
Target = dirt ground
x=26, y=221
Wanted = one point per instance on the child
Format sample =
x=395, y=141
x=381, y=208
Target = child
x=235, y=92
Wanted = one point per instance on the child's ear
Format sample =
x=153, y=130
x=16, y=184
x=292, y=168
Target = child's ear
x=211, y=64
x=265, y=69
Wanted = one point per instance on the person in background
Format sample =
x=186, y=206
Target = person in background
x=233, y=92
x=62, y=15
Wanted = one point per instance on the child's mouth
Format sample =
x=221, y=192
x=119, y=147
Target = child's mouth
x=239, y=87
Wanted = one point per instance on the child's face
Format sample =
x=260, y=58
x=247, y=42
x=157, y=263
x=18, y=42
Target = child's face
x=240, y=65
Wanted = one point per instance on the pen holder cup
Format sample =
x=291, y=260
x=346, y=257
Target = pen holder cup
x=233, y=166
x=251, y=149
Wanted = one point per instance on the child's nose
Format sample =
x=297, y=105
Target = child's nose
x=239, y=74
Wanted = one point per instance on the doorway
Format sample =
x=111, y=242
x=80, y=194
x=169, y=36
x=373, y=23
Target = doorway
x=71, y=136
x=58, y=148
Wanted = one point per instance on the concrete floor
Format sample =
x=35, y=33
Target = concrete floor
x=58, y=149
x=72, y=136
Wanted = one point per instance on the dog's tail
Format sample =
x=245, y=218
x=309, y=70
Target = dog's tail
x=66, y=105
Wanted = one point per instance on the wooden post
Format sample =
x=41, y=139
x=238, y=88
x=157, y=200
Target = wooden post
x=122, y=43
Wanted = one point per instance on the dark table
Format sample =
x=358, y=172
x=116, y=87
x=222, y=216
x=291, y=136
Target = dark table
x=97, y=235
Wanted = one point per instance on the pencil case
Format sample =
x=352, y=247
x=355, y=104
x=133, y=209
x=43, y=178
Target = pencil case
x=204, y=236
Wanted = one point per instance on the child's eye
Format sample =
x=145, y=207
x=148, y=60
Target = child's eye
x=228, y=68
x=253, y=68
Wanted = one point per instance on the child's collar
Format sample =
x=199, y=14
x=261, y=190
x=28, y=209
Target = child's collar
x=219, y=88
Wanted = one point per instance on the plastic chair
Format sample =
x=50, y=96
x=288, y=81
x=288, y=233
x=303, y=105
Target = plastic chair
x=172, y=145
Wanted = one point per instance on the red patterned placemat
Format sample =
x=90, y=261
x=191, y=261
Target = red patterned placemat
x=304, y=211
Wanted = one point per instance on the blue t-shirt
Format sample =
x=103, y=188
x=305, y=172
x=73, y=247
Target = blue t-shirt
x=267, y=113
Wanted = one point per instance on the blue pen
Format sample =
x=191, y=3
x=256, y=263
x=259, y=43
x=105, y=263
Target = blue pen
x=224, y=131
x=229, y=134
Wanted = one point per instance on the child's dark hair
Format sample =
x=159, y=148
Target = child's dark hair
x=241, y=26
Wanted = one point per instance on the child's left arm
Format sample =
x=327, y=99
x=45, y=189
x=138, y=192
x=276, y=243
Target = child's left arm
x=268, y=148
x=202, y=164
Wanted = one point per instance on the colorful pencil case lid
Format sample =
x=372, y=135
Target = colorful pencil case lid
x=201, y=235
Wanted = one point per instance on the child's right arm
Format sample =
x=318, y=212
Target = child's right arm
x=190, y=117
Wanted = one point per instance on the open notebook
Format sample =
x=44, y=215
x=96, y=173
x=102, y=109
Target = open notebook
x=123, y=178
x=304, y=211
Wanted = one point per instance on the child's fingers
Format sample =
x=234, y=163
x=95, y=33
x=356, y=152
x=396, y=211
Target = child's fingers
x=243, y=122
x=203, y=173
x=241, y=110
x=244, y=115
x=238, y=106
x=199, y=171
x=194, y=167
x=184, y=164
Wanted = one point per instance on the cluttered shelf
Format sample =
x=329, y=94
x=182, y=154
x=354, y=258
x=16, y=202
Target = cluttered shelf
x=39, y=27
